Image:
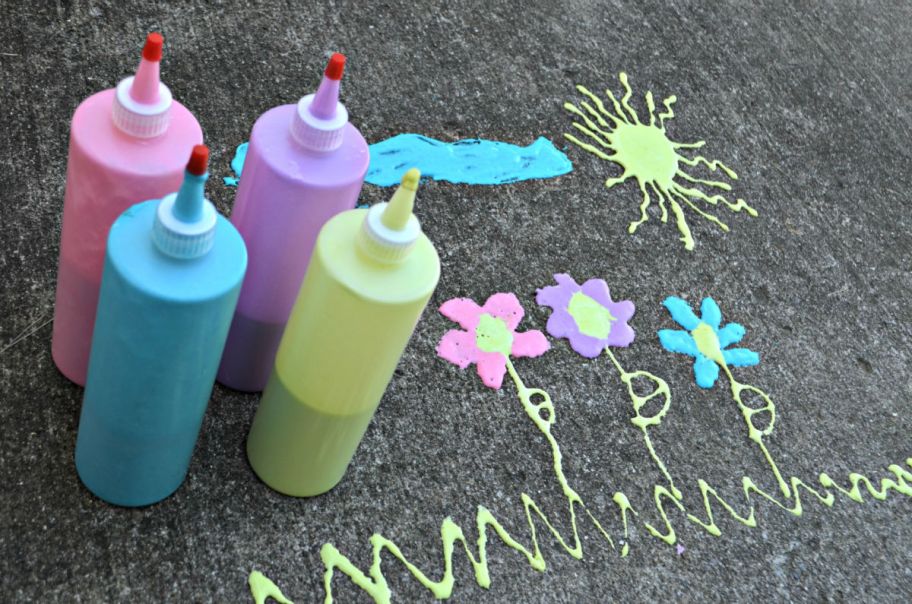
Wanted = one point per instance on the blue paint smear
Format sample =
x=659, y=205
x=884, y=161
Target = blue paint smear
x=471, y=161
x=237, y=164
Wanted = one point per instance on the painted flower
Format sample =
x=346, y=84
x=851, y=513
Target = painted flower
x=490, y=336
x=705, y=340
x=585, y=315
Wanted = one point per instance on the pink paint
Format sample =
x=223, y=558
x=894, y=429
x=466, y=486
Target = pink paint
x=124, y=148
x=461, y=347
x=304, y=165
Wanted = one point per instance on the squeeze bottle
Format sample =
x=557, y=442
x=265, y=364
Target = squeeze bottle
x=371, y=275
x=126, y=144
x=305, y=164
x=172, y=275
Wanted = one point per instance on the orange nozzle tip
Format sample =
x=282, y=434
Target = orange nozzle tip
x=199, y=160
x=152, y=51
x=335, y=67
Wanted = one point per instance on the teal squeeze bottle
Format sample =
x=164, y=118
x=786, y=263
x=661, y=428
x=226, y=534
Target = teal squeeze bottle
x=172, y=275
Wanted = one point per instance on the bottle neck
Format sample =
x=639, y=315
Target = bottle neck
x=137, y=119
x=314, y=133
x=188, y=206
x=185, y=221
x=385, y=245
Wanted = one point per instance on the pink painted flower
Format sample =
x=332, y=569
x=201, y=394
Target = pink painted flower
x=490, y=336
x=586, y=315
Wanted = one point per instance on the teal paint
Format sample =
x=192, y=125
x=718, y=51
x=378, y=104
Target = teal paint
x=237, y=164
x=471, y=161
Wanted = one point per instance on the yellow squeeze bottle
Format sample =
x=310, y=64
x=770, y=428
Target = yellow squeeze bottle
x=371, y=275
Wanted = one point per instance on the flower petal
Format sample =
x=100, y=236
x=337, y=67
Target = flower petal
x=621, y=335
x=740, y=357
x=532, y=343
x=553, y=296
x=730, y=334
x=705, y=372
x=458, y=347
x=586, y=346
x=561, y=324
x=711, y=313
x=622, y=310
x=681, y=313
x=676, y=340
x=505, y=306
x=491, y=367
x=597, y=289
x=463, y=311
x=558, y=296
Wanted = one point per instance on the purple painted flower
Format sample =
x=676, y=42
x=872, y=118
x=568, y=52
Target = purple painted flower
x=585, y=315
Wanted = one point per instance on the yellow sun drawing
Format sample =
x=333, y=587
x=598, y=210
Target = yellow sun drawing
x=645, y=153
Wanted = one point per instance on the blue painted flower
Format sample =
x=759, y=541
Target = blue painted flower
x=705, y=340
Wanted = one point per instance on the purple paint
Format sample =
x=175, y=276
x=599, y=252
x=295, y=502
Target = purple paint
x=304, y=165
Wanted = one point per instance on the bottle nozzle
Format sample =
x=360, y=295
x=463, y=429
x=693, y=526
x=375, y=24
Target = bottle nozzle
x=185, y=221
x=327, y=96
x=146, y=83
x=188, y=207
x=399, y=209
x=390, y=230
x=199, y=160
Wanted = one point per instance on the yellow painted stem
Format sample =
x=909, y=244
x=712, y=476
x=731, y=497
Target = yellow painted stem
x=643, y=422
x=755, y=433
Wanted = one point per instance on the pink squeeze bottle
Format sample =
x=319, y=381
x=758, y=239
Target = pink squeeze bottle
x=304, y=165
x=127, y=144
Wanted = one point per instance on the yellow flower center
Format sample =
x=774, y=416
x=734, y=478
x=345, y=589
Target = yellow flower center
x=590, y=316
x=708, y=343
x=493, y=335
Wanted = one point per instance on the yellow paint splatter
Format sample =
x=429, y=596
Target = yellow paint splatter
x=261, y=588
x=539, y=408
x=645, y=153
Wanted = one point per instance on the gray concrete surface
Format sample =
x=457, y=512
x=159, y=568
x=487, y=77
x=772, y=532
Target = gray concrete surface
x=810, y=103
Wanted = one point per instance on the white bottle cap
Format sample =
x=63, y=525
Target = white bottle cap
x=181, y=239
x=140, y=119
x=390, y=230
x=318, y=134
x=184, y=225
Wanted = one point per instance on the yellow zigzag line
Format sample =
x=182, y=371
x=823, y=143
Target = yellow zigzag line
x=375, y=585
x=374, y=582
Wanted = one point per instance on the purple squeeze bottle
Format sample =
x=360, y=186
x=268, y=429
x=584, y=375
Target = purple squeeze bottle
x=304, y=165
x=127, y=144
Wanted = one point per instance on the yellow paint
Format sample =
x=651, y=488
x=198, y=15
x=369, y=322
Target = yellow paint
x=645, y=153
x=539, y=408
x=261, y=588
x=708, y=343
x=493, y=335
x=591, y=317
x=645, y=422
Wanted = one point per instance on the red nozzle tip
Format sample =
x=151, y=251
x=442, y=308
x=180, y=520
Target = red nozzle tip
x=152, y=51
x=335, y=67
x=199, y=160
